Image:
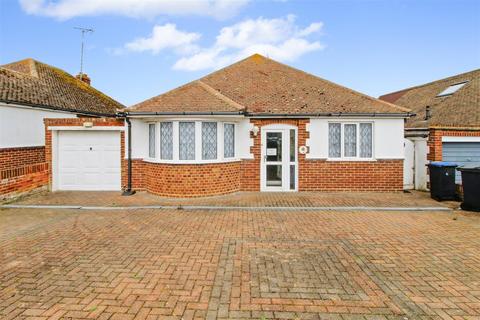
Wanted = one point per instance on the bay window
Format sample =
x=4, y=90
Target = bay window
x=350, y=140
x=191, y=141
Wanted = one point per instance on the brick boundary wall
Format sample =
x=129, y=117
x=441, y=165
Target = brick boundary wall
x=21, y=156
x=22, y=169
x=434, y=141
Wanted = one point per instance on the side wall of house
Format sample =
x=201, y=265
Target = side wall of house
x=22, y=148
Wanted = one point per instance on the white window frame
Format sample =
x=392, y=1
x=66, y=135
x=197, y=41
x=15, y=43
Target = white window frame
x=155, y=140
x=234, y=140
x=342, y=142
x=198, y=142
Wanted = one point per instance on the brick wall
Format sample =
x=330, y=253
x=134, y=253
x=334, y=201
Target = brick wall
x=192, y=180
x=435, y=139
x=19, y=157
x=21, y=170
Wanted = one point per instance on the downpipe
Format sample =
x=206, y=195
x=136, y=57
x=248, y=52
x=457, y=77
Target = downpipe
x=129, y=191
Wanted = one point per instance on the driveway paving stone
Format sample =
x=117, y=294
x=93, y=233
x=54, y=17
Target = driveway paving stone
x=186, y=264
x=242, y=199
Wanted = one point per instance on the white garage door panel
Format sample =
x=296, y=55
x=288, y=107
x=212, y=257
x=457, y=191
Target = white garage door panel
x=89, y=160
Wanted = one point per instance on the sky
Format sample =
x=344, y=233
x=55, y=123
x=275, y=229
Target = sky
x=142, y=48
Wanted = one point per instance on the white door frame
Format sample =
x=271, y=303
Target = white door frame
x=286, y=163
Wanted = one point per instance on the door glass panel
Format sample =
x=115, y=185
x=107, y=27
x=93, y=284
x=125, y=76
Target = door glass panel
x=274, y=146
x=293, y=147
x=292, y=177
x=274, y=175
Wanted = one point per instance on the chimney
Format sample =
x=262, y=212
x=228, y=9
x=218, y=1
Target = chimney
x=83, y=77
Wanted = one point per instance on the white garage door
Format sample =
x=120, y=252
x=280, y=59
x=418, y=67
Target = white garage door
x=88, y=160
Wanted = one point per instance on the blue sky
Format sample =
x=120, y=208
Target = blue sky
x=140, y=48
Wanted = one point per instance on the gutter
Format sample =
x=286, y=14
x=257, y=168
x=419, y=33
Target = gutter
x=331, y=114
x=39, y=106
x=273, y=115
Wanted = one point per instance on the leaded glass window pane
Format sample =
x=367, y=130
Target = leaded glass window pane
x=166, y=140
x=365, y=140
x=151, y=140
x=334, y=140
x=186, y=140
x=229, y=140
x=350, y=140
x=209, y=140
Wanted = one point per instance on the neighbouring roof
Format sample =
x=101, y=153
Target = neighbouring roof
x=259, y=85
x=31, y=82
x=458, y=109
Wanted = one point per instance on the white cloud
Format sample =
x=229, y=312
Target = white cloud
x=281, y=39
x=66, y=9
x=165, y=37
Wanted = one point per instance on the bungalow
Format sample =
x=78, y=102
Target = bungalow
x=256, y=125
x=31, y=91
x=446, y=126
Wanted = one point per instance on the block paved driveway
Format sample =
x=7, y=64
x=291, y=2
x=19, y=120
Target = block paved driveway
x=174, y=264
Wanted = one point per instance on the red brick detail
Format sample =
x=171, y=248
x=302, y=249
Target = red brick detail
x=19, y=180
x=138, y=172
x=435, y=140
x=11, y=158
x=322, y=175
x=77, y=122
x=192, y=180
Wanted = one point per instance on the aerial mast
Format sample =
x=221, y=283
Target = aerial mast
x=83, y=31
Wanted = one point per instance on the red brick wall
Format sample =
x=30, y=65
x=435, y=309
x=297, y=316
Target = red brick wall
x=19, y=157
x=435, y=139
x=138, y=172
x=21, y=170
x=192, y=180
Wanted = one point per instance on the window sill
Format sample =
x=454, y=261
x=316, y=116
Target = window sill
x=180, y=162
x=352, y=159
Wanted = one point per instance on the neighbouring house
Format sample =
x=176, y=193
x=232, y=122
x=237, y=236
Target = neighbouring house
x=31, y=91
x=446, y=126
x=257, y=125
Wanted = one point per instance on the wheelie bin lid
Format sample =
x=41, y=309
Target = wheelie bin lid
x=442, y=164
x=474, y=169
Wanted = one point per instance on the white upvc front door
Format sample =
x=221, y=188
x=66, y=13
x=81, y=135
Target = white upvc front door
x=279, y=164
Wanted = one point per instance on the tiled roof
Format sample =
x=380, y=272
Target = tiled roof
x=34, y=83
x=460, y=109
x=195, y=96
x=263, y=86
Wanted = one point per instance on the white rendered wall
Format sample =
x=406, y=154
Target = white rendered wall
x=387, y=135
x=23, y=126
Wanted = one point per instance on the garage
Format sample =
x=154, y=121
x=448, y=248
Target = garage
x=88, y=160
x=464, y=153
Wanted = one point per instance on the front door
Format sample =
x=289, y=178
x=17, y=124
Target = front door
x=279, y=160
